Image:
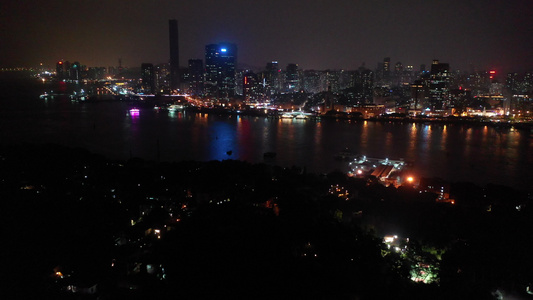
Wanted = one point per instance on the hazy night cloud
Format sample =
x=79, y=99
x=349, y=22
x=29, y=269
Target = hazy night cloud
x=315, y=34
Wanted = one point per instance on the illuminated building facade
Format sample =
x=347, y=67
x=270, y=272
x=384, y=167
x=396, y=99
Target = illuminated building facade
x=220, y=63
x=273, y=77
x=292, y=78
x=386, y=69
x=250, y=86
x=75, y=71
x=162, y=78
x=148, y=78
x=196, y=77
x=60, y=70
x=366, y=79
x=439, y=85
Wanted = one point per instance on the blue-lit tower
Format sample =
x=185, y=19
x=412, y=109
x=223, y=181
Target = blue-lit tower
x=220, y=63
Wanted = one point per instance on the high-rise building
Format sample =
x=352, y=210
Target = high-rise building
x=60, y=70
x=66, y=69
x=418, y=93
x=162, y=78
x=96, y=73
x=148, y=78
x=311, y=81
x=292, y=78
x=273, y=77
x=174, y=54
x=367, y=86
x=220, y=63
x=439, y=85
x=249, y=85
x=386, y=68
x=196, y=77
x=75, y=71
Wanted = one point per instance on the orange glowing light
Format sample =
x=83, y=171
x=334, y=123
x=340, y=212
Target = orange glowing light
x=410, y=179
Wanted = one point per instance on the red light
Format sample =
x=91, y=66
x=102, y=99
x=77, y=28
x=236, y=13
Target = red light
x=492, y=72
x=60, y=62
x=491, y=77
x=460, y=88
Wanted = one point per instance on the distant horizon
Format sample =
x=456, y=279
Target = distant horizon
x=245, y=66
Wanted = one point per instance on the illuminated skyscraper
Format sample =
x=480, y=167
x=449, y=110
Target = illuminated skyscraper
x=75, y=71
x=220, y=62
x=60, y=70
x=249, y=85
x=148, y=78
x=162, y=78
x=292, y=78
x=196, y=77
x=386, y=68
x=273, y=77
x=439, y=85
x=174, y=54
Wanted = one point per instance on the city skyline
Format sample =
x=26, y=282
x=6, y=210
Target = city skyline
x=318, y=35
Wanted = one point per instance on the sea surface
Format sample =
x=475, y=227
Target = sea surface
x=475, y=153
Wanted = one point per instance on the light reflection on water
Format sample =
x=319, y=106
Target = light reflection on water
x=453, y=152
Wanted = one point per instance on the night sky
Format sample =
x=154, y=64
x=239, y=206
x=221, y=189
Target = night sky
x=330, y=34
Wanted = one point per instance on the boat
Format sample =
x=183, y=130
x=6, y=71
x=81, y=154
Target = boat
x=45, y=96
x=175, y=107
x=287, y=116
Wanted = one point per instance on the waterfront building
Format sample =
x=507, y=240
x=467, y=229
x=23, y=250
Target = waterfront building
x=66, y=70
x=367, y=110
x=162, y=78
x=174, y=54
x=346, y=79
x=96, y=73
x=332, y=78
x=75, y=71
x=147, y=78
x=273, y=77
x=60, y=70
x=311, y=82
x=364, y=85
x=511, y=82
x=196, y=77
x=439, y=85
x=292, y=78
x=249, y=84
x=220, y=63
x=418, y=96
